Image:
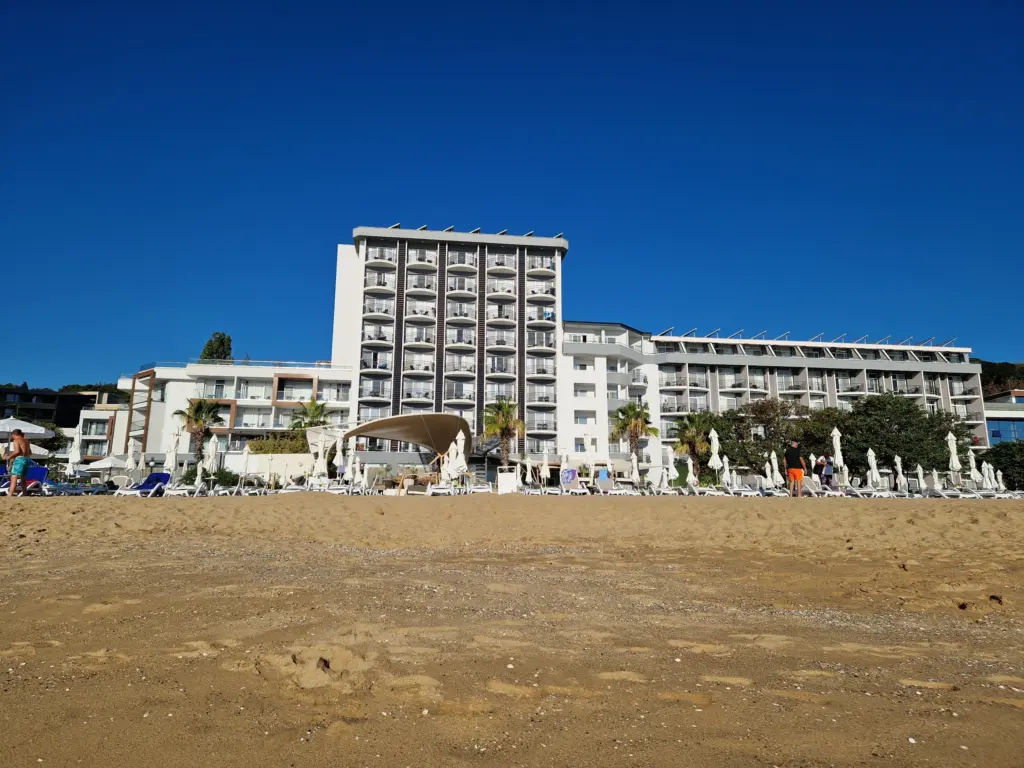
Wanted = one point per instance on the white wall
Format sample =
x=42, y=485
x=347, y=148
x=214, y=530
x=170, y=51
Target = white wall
x=348, y=310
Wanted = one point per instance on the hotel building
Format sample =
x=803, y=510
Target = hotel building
x=444, y=321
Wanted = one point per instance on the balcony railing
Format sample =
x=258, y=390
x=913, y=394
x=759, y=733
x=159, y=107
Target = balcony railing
x=494, y=366
x=420, y=256
x=790, y=385
x=539, y=368
x=537, y=395
x=535, y=315
x=540, y=289
x=416, y=309
x=380, y=281
x=758, y=384
x=374, y=253
x=501, y=339
x=502, y=286
x=932, y=388
x=673, y=381
x=456, y=365
x=540, y=262
x=378, y=334
x=381, y=391
x=540, y=446
x=638, y=377
x=673, y=406
x=466, y=337
x=732, y=384
x=419, y=336
x=848, y=386
x=418, y=364
x=504, y=260
x=461, y=310
x=422, y=282
x=540, y=425
x=462, y=284
x=458, y=259
x=963, y=392
x=459, y=393
x=493, y=395
x=418, y=392
x=378, y=308
x=698, y=381
x=545, y=340
x=375, y=364
x=818, y=385
x=500, y=313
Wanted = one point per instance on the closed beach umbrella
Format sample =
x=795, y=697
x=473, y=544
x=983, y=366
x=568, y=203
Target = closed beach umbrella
x=545, y=470
x=976, y=476
x=1000, y=485
x=171, y=455
x=129, y=461
x=320, y=463
x=199, y=475
x=347, y=474
x=357, y=473
x=986, y=479
x=777, y=478
x=874, y=478
x=673, y=473
x=212, y=454
x=920, y=478
x=837, y=448
x=715, y=462
x=691, y=479
x=844, y=473
x=339, y=454
x=270, y=468
x=936, y=481
x=768, y=481
x=529, y=470
x=811, y=465
x=954, y=459
x=74, y=457
x=726, y=477
x=519, y=475
x=901, y=481
x=245, y=460
x=634, y=470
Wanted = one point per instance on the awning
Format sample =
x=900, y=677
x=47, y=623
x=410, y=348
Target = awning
x=431, y=430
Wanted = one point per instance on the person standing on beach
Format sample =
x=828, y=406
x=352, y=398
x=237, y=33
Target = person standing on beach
x=795, y=468
x=828, y=471
x=22, y=455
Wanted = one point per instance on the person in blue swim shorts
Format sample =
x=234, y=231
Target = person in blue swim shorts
x=22, y=455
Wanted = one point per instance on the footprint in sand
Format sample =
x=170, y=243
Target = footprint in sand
x=1005, y=679
x=623, y=675
x=692, y=647
x=499, y=642
x=881, y=651
x=810, y=674
x=108, y=606
x=930, y=684
x=700, y=699
x=808, y=696
x=768, y=642
x=195, y=649
x=727, y=680
x=507, y=689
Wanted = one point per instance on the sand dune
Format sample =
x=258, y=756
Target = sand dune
x=324, y=631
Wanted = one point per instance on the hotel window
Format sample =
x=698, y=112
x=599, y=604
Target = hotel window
x=582, y=364
x=585, y=417
x=580, y=445
x=583, y=391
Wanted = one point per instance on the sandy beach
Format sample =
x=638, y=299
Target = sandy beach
x=313, y=630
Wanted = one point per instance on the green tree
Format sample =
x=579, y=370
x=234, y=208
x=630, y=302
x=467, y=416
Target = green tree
x=633, y=422
x=311, y=414
x=199, y=416
x=218, y=347
x=501, y=420
x=1008, y=458
x=692, y=436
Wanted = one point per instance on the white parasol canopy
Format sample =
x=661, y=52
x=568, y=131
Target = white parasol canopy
x=691, y=479
x=348, y=474
x=814, y=460
x=845, y=474
x=519, y=475
x=837, y=448
x=715, y=462
x=129, y=461
x=245, y=460
x=874, y=477
x=634, y=470
x=673, y=473
x=529, y=470
x=270, y=467
x=954, y=460
x=74, y=457
x=212, y=457
x=726, y=475
x=777, y=478
x=320, y=462
x=768, y=481
x=920, y=478
x=171, y=454
x=339, y=453
x=936, y=480
x=30, y=430
x=545, y=469
x=901, y=481
x=1000, y=485
x=357, y=473
x=110, y=462
x=987, y=477
x=976, y=476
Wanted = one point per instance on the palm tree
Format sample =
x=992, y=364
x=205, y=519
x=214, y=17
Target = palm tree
x=633, y=422
x=501, y=420
x=311, y=414
x=692, y=436
x=199, y=417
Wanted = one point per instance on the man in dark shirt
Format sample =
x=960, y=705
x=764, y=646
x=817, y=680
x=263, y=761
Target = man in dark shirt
x=795, y=468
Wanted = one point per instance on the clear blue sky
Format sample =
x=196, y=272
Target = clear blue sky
x=841, y=167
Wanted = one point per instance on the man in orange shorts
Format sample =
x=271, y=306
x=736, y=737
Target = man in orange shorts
x=795, y=468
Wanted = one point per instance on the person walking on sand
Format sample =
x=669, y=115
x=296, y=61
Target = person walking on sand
x=828, y=471
x=795, y=468
x=22, y=455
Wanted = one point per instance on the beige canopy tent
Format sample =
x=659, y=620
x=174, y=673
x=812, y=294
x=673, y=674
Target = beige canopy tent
x=431, y=430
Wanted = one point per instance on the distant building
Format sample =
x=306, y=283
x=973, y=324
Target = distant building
x=1004, y=416
x=46, y=406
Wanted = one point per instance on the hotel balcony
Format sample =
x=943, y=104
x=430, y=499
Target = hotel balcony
x=461, y=314
x=729, y=385
x=638, y=380
x=463, y=287
x=907, y=391
x=541, y=317
x=378, y=310
x=673, y=405
x=792, y=385
x=966, y=393
x=541, y=425
x=817, y=385
x=494, y=394
x=375, y=364
x=418, y=366
x=421, y=285
x=540, y=342
x=759, y=385
x=501, y=315
x=379, y=283
x=501, y=289
x=421, y=260
x=541, y=368
x=698, y=382
x=673, y=382
x=382, y=392
x=460, y=340
x=540, y=396
x=381, y=258
x=378, y=337
x=462, y=263
x=418, y=394
x=459, y=395
x=420, y=311
x=540, y=266
x=419, y=337
x=501, y=341
x=540, y=291
x=932, y=389
x=500, y=369
x=501, y=264
x=460, y=368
